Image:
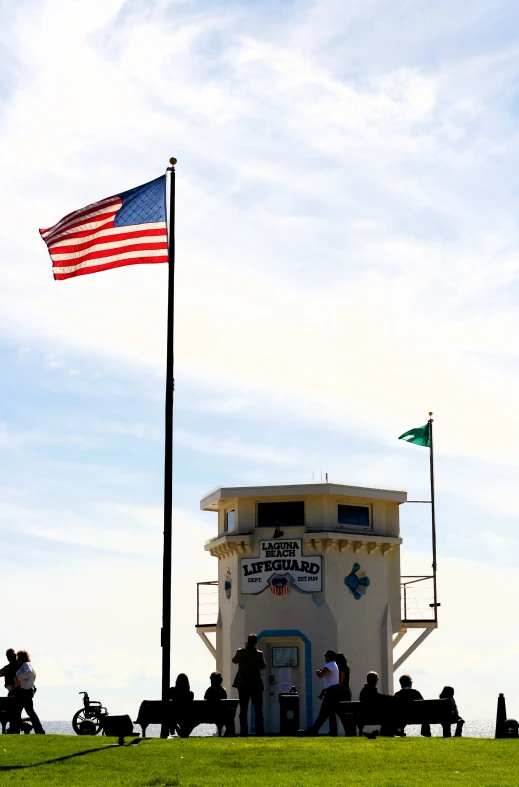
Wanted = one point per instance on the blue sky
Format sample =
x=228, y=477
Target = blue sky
x=347, y=260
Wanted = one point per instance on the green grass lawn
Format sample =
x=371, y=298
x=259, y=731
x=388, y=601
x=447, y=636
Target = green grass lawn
x=270, y=762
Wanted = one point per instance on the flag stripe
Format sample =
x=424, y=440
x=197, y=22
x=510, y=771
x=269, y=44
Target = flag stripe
x=94, y=219
x=109, y=235
x=126, y=247
x=83, y=212
x=60, y=276
x=116, y=260
x=92, y=231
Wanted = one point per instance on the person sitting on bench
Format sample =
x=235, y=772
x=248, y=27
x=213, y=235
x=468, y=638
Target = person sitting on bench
x=448, y=693
x=408, y=694
x=369, y=693
x=216, y=692
x=182, y=696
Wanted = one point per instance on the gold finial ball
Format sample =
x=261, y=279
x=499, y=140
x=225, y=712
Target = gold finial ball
x=430, y=413
x=173, y=161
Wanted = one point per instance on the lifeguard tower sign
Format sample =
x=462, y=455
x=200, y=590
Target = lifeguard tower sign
x=281, y=559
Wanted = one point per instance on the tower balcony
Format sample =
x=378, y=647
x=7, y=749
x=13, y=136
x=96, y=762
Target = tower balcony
x=416, y=599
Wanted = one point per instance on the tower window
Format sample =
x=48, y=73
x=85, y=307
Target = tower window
x=281, y=514
x=229, y=521
x=358, y=516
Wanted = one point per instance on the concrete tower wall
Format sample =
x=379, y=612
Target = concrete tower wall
x=360, y=620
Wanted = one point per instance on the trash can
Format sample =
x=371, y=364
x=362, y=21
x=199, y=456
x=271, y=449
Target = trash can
x=289, y=712
x=510, y=729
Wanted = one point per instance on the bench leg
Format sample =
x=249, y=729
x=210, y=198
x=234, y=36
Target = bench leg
x=230, y=730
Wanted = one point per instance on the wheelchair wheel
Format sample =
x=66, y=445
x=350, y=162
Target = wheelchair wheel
x=84, y=724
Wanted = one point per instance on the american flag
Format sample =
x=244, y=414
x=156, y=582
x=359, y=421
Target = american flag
x=125, y=229
x=279, y=586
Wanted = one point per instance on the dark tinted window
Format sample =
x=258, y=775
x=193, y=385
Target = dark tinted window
x=229, y=521
x=353, y=515
x=281, y=514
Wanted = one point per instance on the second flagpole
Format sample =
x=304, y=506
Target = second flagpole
x=433, y=517
x=165, y=638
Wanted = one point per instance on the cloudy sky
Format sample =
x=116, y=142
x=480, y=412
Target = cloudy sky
x=347, y=260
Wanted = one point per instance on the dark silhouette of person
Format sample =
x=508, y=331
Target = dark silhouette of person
x=447, y=693
x=9, y=672
x=330, y=695
x=214, y=694
x=183, y=697
x=344, y=676
x=249, y=683
x=408, y=694
x=344, y=683
x=215, y=691
x=24, y=693
x=370, y=694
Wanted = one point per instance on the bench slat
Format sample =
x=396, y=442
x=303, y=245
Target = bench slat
x=407, y=712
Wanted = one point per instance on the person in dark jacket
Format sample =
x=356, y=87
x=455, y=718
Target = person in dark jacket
x=249, y=683
x=344, y=683
x=370, y=694
x=344, y=676
x=215, y=693
x=9, y=671
x=408, y=694
x=183, y=697
x=448, y=694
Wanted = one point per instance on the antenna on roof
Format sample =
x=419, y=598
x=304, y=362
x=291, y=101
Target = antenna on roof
x=326, y=476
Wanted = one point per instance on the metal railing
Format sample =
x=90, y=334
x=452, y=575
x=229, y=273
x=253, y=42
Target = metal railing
x=206, y=603
x=417, y=598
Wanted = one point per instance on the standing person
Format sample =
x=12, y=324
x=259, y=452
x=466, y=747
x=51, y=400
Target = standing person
x=448, y=694
x=25, y=677
x=9, y=672
x=331, y=695
x=344, y=676
x=344, y=683
x=408, y=694
x=249, y=683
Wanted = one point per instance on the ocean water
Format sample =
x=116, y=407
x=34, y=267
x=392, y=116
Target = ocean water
x=477, y=728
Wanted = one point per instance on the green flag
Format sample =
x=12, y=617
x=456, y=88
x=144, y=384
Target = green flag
x=420, y=436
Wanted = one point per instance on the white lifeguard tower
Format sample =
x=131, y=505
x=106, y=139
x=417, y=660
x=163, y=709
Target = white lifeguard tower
x=310, y=567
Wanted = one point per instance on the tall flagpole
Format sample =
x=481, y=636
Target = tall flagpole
x=165, y=634
x=433, y=515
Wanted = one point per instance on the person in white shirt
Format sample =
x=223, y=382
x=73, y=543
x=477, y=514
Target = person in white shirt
x=331, y=696
x=25, y=677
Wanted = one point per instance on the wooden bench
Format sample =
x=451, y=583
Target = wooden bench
x=9, y=712
x=391, y=712
x=221, y=713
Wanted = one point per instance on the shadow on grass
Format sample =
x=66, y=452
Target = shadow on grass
x=62, y=759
